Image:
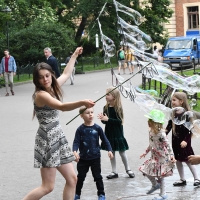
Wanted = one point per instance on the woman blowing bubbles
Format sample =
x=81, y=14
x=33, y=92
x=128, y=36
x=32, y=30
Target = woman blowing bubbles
x=52, y=151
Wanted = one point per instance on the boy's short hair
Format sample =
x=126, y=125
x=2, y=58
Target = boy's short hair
x=82, y=109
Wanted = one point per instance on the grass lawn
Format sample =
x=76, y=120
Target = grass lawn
x=23, y=78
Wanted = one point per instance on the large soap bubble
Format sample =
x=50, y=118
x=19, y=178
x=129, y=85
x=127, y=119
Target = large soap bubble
x=178, y=116
x=196, y=128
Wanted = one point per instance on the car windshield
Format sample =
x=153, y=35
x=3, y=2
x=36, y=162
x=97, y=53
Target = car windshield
x=178, y=44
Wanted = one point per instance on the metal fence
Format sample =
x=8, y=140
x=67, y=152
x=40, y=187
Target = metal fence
x=162, y=89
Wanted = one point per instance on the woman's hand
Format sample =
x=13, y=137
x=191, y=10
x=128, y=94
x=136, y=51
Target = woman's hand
x=194, y=159
x=88, y=103
x=78, y=51
x=183, y=144
x=143, y=155
x=102, y=117
x=110, y=155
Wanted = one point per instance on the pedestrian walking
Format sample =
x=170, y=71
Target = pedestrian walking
x=155, y=51
x=87, y=141
x=52, y=151
x=113, y=119
x=52, y=61
x=8, y=69
x=121, y=59
x=181, y=140
x=161, y=162
x=130, y=59
x=73, y=72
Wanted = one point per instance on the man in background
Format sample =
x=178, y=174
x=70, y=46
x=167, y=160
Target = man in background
x=52, y=61
x=8, y=69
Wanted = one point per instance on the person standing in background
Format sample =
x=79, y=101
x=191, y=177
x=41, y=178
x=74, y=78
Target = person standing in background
x=121, y=59
x=155, y=51
x=8, y=69
x=52, y=61
x=130, y=59
x=73, y=72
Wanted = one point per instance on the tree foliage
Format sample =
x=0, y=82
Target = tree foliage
x=28, y=44
x=156, y=12
x=34, y=24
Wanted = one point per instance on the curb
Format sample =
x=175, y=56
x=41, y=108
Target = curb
x=21, y=83
x=102, y=70
x=87, y=72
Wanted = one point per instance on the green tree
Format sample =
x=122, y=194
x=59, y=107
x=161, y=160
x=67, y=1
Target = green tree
x=156, y=12
x=28, y=44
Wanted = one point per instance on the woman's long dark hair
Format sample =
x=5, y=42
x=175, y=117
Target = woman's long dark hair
x=55, y=87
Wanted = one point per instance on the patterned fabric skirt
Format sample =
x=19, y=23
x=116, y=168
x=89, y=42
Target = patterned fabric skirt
x=156, y=169
x=51, y=149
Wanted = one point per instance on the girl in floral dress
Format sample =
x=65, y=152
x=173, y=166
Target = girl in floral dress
x=162, y=160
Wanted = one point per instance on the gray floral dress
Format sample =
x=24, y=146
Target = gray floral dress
x=159, y=165
x=51, y=146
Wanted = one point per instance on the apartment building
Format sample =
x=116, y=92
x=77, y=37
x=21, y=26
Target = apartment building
x=185, y=20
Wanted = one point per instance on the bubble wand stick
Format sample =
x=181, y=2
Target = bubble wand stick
x=112, y=90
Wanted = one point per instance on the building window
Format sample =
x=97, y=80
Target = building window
x=193, y=17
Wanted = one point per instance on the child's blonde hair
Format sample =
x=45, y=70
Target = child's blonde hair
x=155, y=126
x=82, y=109
x=117, y=103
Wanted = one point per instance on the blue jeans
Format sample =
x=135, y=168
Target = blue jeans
x=83, y=167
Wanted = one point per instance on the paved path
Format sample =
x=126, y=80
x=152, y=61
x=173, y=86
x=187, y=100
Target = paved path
x=17, y=133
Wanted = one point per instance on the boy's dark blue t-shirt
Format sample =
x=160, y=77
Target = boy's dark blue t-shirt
x=87, y=141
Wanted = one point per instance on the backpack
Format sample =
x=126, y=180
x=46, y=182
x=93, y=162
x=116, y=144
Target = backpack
x=121, y=55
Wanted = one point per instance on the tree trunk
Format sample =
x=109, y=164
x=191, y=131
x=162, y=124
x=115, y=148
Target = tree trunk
x=80, y=29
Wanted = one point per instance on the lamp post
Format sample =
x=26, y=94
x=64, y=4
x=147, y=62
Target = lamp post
x=97, y=46
x=7, y=10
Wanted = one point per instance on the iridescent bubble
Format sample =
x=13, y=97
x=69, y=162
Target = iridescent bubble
x=196, y=128
x=193, y=103
x=108, y=45
x=178, y=116
x=189, y=118
x=137, y=17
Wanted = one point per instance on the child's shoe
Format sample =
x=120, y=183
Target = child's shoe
x=154, y=188
x=180, y=183
x=76, y=197
x=101, y=197
x=130, y=173
x=161, y=197
x=112, y=175
x=196, y=182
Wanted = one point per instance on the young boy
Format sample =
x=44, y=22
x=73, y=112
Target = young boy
x=87, y=141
